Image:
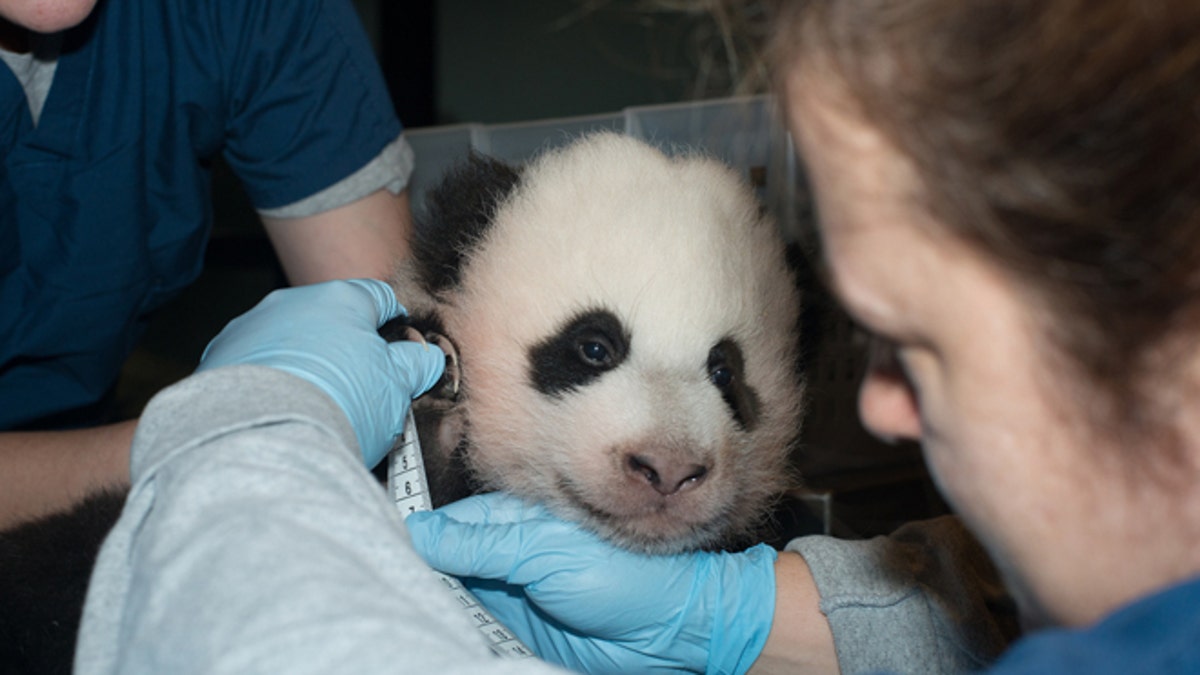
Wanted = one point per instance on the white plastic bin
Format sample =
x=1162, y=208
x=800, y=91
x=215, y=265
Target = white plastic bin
x=745, y=133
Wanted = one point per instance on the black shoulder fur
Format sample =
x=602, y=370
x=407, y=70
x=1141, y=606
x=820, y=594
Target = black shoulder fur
x=457, y=214
x=45, y=566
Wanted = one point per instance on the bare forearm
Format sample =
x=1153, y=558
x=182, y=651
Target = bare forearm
x=42, y=472
x=800, y=639
x=366, y=238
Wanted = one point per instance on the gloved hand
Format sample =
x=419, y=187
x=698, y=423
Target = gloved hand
x=580, y=602
x=327, y=334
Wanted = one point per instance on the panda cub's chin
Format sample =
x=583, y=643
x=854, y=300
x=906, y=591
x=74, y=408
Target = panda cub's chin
x=644, y=523
x=660, y=532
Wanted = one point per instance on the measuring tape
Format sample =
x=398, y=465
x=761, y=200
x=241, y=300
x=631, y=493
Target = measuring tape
x=410, y=491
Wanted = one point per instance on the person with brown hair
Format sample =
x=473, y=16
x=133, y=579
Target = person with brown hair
x=1009, y=200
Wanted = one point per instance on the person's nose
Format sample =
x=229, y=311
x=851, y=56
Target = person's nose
x=887, y=402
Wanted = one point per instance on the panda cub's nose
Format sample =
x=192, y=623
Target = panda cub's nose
x=667, y=477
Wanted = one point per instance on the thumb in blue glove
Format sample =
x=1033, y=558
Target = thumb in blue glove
x=328, y=335
x=584, y=604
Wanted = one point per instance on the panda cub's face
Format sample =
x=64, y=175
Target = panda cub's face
x=626, y=326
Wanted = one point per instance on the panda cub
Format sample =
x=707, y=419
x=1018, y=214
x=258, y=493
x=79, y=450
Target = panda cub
x=625, y=327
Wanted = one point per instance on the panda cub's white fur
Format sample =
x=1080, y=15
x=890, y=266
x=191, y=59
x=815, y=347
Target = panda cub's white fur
x=626, y=328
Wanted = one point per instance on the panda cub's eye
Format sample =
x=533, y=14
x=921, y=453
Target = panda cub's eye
x=726, y=371
x=595, y=352
x=721, y=376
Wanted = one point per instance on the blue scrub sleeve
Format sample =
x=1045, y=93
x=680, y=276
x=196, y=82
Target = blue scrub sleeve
x=308, y=105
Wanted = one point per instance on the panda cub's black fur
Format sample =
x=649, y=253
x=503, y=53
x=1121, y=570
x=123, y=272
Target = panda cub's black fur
x=626, y=331
x=44, y=571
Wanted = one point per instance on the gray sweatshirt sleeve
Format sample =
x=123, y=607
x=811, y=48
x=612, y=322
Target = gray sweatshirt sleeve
x=925, y=599
x=253, y=541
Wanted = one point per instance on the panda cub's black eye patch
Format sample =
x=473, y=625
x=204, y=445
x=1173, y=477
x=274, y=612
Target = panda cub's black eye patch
x=727, y=370
x=585, y=348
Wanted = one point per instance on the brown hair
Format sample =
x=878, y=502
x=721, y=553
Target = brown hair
x=1061, y=137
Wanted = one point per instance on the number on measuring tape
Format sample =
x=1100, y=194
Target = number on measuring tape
x=408, y=487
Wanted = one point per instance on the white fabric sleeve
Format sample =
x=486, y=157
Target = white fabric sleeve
x=924, y=600
x=254, y=541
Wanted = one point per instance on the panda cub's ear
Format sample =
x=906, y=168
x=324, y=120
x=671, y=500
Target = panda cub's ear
x=457, y=214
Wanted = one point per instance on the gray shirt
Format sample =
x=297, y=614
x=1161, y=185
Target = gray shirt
x=271, y=549
x=924, y=600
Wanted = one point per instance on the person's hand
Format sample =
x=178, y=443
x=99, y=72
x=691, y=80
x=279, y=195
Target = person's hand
x=327, y=334
x=584, y=604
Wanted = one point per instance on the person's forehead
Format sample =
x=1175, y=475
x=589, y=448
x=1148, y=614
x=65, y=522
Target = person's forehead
x=877, y=240
x=860, y=180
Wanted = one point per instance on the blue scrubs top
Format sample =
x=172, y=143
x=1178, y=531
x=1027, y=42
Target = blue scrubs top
x=1156, y=635
x=105, y=205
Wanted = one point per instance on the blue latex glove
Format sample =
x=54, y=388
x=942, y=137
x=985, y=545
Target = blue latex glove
x=327, y=334
x=584, y=604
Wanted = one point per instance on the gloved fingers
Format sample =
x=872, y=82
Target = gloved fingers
x=275, y=320
x=523, y=544
x=574, y=647
x=508, y=604
x=480, y=536
x=493, y=508
x=418, y=366
x=552, y=640
x=503, y=538
x=466, y=549
x=383, y=299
